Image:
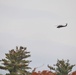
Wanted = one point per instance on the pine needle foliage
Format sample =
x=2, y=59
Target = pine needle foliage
x=62, y=67
x=16, y=61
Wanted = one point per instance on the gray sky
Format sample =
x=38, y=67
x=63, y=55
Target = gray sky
x=32, y=23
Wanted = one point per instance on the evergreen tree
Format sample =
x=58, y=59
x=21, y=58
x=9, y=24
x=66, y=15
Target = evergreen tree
x=16, y=61
x=62, y=67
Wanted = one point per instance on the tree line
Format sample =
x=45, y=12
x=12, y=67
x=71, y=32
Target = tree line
x=16, y=63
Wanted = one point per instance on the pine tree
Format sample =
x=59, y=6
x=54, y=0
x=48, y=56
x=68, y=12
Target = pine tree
x=16, y=61
x=62, y=67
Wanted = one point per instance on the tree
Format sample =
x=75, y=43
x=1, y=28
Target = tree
x=15, y=61
x=63, y=67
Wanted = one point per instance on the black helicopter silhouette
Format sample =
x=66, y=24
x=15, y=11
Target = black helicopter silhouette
x=60, y=26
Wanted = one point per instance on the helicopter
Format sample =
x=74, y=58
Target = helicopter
x=60, y=26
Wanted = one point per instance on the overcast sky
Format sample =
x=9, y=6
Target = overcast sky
x=32, y=24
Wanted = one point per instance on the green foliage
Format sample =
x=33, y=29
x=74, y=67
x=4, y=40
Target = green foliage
x=62, y=67
x=15, y=61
